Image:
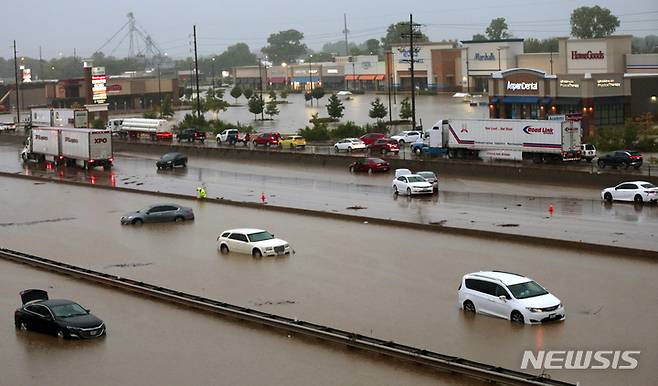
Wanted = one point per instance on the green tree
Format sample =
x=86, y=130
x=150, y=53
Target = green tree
x=317, y=93
x=216, y=105
x=272, y=95
x=236, y=92
x=248, y=93
x=256, y=105
x=405, y=109
x=394, y=34
x=535, y=45
x=320, y=57
x=283, y=94
x=271, y=108
x=645, y=45
x=238, y=54
x=497, y=29
x=285, y=46
x=631, y=130
x=593, y=22
x=166, y=110
x=373, y=46
x=479, y=38
x=335, y=107
x=377, y=109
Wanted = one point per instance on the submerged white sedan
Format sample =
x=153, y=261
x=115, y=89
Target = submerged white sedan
x=411, y=184
x=635, y=191
x=255, y=242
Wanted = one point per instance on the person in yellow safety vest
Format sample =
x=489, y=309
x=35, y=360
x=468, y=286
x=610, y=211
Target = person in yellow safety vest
x=201, y=192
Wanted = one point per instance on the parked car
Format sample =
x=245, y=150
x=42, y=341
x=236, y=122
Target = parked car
x=624, y=158
x=411, y=184
x=158, y=213
x=384, y=145
x=369, y=138
x=431, y=178
x=293, y=142
x=369, y=165
x=587, y=152
x=349, y=145
x=256, y=242
x=230, y=136
x=407, y=137
x=508, y=296
x=267, y=139
x=60, y=317
x=9, y=126
x=191, y=135
x=636, y=191
x=170, y=160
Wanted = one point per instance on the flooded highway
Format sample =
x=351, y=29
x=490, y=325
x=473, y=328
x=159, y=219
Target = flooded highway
x=491, y=205
x=388, y=282
x=153, y=343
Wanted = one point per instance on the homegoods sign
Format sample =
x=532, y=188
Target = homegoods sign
x=585, y=56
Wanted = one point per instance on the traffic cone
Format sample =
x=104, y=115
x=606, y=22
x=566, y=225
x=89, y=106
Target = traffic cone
x=551, y=209
x=262, y=197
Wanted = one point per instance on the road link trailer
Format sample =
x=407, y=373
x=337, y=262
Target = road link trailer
x=511, y=139
x=87, y=148
x=155, y=129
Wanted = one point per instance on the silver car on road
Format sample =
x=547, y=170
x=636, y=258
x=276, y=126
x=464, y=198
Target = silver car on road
x=159, y=213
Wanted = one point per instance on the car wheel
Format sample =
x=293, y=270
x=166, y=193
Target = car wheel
x=179, y=219
x=184, y=164
x=351, y=169
x=417, y=151
x=219, y=142
x=267, y=144
x=336, y=148
x=370, y=170
x=517, y=317
x=61, y=334
x=469, y=306
x=137, y=221
x=384, y=151
x=292, y=146
x=401, y=142
x=601, y=164
x=395, y=190
x=408, y=191
x=349, y=149
x=179, y=140
x=223, y=248
x=638, y=199
x=636, y=167
x=256, y=253
x=607, y=196
x=626, y=165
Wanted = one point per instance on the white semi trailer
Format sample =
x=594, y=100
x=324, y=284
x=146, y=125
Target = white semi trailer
x=155, y=129
x=87, y=148
x=55, y=117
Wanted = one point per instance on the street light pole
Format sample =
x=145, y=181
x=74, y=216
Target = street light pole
x=413, y=79
x=159, y=89
x=18, y=101
x=310, y=79
x=212, y=72
x=260, y=77
x=196, y=71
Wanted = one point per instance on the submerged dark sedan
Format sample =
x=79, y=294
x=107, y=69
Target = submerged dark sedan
x=169, y=160
x=60, y=317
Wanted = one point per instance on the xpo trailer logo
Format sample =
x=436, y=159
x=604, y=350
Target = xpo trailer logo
x=580, y=360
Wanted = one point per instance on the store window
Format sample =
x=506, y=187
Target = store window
x=609, y=114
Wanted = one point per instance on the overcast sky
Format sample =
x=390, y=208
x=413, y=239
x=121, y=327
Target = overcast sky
x=60, y=26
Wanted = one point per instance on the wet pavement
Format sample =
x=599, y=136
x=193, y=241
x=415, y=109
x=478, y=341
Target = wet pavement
x=153, y=343
x=391, y=283
x=491, y=205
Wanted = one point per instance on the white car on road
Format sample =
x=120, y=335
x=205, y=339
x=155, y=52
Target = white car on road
x=407, y=137
x=636, y=191
x=255, y=242
x=412, y=184
x=349, y=144
x=508, y=296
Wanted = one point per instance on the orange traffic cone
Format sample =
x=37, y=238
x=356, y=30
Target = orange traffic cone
x=262, y=197
x=551, y=209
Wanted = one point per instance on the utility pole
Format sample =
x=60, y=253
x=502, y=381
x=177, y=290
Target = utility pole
x=18, y=101
x=346, y=31
x=411, y=35
x=310, y=76
x=390, y=111
x=196, y=72
x=260, y=77
x=159, y=89
x=40, y=65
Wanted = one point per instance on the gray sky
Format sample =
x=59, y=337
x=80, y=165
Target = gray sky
x=61, y=26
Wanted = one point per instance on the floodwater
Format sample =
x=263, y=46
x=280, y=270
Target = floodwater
x=154, y=343
x=387, y=282
x=579, y=213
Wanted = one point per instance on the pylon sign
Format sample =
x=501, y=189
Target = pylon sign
x=98, y=81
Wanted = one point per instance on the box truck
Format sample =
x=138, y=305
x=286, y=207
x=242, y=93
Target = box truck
x=51, y=117
x=87, y=148
x=512, y=139
x=156, y=129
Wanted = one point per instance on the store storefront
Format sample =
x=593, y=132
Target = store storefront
x=521, y=93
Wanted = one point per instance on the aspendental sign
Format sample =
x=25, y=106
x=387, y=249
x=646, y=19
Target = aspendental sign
x=522, y=86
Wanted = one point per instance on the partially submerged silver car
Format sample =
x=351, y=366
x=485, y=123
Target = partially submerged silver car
x=158, y=213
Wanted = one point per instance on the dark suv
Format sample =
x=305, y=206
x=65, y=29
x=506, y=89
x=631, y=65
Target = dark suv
x=624, y=158
x=191, y=135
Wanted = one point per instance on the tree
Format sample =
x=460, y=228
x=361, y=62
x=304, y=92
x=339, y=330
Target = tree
x=271, y=109
x=247, y=92
x=377, y=109
x=373, y=46
x=166, y=109
x=593, y=22
x=320, y=57
x=645, y=45
x=284, y=94
x=238, y=54
x=405, y=109
x=479, y=38
x=236, y=91
x=497, y=29
x=272, y=95
x=335, y=107
x=216, y=105
x=256, y=104
x=535, y=45
x=318, y=93
x=394, y=35
x=285, y=46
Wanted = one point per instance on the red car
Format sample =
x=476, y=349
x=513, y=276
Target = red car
x=384, y=145
x=267, y=139
x=371, y=137
x=370, y=165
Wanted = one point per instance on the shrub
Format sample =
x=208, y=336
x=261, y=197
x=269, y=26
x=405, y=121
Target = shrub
x=347, y=130
x=319, y=132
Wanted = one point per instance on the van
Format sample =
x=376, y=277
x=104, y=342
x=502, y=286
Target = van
x=587, y=152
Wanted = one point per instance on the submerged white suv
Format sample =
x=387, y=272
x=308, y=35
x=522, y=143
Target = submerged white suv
x=509, y=296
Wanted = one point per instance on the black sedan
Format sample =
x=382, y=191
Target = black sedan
x=62, y=318
x=626, y=158
x=170, y=160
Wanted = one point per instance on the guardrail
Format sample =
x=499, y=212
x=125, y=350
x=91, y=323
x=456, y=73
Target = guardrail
x=392, y=349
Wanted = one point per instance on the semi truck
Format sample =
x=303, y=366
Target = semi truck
x=511, y=139
x=155, y=129
x=87, y=148
x=52, y=117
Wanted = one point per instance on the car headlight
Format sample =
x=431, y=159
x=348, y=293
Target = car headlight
x=533, y=309
x=269, y=248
